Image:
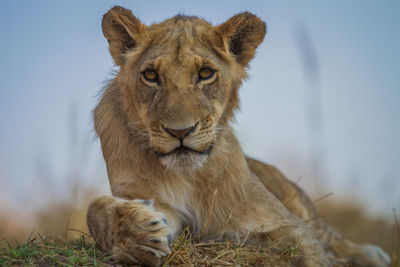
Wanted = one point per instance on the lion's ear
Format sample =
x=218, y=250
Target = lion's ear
x=123, y=31
x=242, y=34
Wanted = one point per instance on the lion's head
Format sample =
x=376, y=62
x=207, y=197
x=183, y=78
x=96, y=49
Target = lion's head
x=179, y=79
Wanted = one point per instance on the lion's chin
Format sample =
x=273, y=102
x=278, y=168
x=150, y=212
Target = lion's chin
x=179, y=162
x=184, y=159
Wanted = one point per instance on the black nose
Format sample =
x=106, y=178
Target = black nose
x=180, y=134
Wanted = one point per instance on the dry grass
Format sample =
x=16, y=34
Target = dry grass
x=185, y=251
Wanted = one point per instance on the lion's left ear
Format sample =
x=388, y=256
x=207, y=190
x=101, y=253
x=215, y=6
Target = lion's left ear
x=242, y=34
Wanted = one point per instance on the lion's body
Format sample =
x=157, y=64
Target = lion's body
x=165, y=136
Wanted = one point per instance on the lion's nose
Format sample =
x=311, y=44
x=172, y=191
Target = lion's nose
x=180, y=134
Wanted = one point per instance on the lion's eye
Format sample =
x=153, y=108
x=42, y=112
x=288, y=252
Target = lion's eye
x=150, y=75
x=205, y=74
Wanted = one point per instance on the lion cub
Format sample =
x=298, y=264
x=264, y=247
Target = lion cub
x=172, y=158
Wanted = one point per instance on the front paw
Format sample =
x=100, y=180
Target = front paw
x=140, y=233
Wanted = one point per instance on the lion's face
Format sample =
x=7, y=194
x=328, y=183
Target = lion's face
x=180, y=88
x=179, y=82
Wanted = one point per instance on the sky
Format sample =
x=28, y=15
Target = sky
x=336, y=61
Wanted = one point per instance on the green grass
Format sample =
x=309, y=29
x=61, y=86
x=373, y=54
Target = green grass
x=39, y=251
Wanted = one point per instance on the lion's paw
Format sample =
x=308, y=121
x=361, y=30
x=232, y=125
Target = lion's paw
x=141, y=234
x=376, y=255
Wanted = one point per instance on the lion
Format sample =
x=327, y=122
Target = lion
x=172, y=158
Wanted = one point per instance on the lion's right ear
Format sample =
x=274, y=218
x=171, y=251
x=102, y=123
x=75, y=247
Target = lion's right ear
x=123, y=31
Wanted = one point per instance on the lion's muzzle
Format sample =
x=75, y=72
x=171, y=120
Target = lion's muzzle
x=181, y=134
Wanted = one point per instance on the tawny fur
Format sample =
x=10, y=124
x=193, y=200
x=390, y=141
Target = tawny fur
x=211, y=186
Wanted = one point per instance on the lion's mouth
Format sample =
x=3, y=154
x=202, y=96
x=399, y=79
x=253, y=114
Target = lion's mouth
x=183, y=150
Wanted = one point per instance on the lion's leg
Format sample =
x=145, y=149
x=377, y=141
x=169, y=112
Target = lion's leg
x=299, y=204
x=132, y=230
x=267, y=217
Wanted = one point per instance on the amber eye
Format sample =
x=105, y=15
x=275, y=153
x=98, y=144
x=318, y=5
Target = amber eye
x=205, y=74
x=150, y=75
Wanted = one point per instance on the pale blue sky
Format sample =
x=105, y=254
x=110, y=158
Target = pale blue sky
x=54, y=60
